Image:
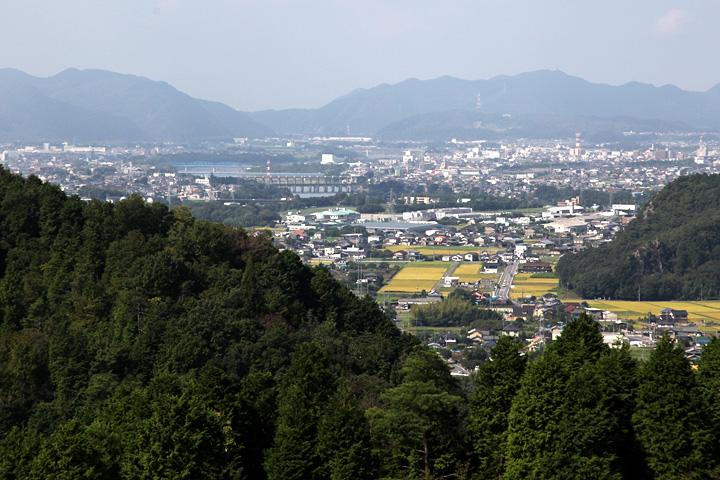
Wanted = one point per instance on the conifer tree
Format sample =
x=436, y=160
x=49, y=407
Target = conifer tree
x=305, y=389
x=564, y=422
x=669, y=418
x=498, y=382
x=419, y=433
x=343, y=439
x=709, y=381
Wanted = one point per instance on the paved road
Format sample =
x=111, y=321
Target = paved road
x=506, y=279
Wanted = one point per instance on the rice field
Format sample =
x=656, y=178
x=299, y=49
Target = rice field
x=471, y=273
x=417, y=276
x=525, y=285
x=697, y=311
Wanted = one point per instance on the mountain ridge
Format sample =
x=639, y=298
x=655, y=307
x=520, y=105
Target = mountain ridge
x=95, y=105
x=128, y=107
x=543, y=92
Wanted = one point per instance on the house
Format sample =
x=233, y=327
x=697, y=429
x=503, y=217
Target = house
x=448, y=339
x=685, y=332
x=613, y=339
x=524, y=311
x=400, y=255
x=338, y=214
x=693, y=355
x=298, y=218
x=511, y=329
x=477, y=335
x=549, y=297
x=373, y=278
x=488, y=345
x=573, y=308
x=479, y=296
x=676, y=316
x=536, y=267
x=665, y=322
x=470, y=257
x=491, y=267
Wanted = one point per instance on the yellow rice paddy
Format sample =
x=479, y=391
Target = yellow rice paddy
x=697, y=311
x=525, y=285
x=417, y=276
x=471, y=273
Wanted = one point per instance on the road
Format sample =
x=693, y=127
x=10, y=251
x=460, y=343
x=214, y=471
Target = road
x=506, y=279
x=449, y=273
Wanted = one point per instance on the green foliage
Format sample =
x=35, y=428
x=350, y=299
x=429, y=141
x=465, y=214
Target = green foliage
x=307, y=386
x=418, y=434
x=455, y=311
x=498, y=382
x=137, y=341
x=709, y=385
x=567, y=418
x=669, y=419
x=343, y=439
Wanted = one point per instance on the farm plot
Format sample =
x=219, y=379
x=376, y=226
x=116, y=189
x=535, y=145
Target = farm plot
x=526, y=285
x=417, y=276
x=697, y=311
x=471, y=273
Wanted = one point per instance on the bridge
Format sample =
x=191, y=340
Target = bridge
x=309, y=183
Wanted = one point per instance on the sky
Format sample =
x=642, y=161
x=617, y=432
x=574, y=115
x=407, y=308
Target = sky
x=277, y=54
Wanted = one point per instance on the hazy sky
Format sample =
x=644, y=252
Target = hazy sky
x=260, y=54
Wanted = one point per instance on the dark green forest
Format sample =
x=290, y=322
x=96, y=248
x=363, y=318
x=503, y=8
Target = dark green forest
x=139, y=342
x=671, y=251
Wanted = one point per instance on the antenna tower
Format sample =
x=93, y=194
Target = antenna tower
x=268, y=172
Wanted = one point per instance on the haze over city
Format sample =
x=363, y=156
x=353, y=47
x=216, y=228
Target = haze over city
x=302, y=54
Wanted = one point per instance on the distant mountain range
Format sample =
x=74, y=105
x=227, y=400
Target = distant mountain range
x=93, y=105
x=85, y=105
x=538, y=104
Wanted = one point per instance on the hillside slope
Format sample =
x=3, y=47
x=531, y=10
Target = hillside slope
x=671, y=251
x=101, y=301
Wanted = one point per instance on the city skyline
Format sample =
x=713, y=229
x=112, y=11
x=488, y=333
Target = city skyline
x=303, y=54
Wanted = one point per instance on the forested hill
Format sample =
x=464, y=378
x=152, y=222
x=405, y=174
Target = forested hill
x=129, y=317
x=671, y=251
